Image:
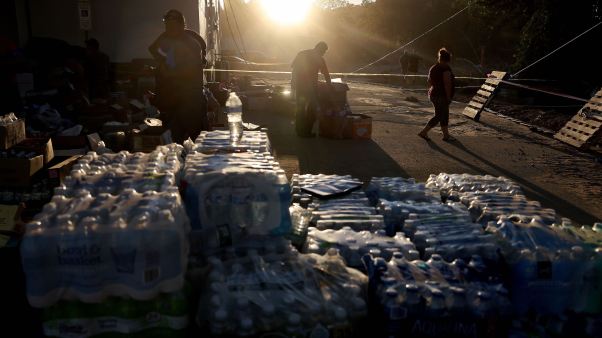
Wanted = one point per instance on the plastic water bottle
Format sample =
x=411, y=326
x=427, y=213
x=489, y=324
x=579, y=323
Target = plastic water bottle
x=234, y=106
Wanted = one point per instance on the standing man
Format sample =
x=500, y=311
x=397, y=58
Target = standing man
x=304, y=86
x=180, y=56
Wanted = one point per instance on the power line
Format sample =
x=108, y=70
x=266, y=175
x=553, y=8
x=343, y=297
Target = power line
x=555, y=50
x=231, y=32
x=242, y=41
x=409, y=43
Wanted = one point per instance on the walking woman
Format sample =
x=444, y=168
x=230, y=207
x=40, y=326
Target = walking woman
x=441, y=92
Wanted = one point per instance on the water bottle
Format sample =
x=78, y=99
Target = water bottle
x=234, y=106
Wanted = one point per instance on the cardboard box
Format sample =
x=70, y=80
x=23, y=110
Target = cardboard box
x=58, y=172
x=8, y=217
x=332, y=126
x=17, y=172
x=147, y=143
x=41, y=146
x=12, y=134
x=358, y=127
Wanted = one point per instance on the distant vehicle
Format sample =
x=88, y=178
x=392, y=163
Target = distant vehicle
x=238, y=62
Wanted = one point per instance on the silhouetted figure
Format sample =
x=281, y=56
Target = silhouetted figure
x=97, y=70
x=404, y=62
x=441, y=91
x=306, y=66
x=180, y=56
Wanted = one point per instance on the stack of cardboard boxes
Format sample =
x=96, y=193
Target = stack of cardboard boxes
x=28, y=171
x=336, y=120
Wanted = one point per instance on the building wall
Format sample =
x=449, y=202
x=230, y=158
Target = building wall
x=124, y=28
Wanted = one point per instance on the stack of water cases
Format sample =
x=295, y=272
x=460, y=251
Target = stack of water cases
x=108, y=254
x=219, y=141
x=554, y=270
x=279, y=291
x=489, y=197
x=324, y=186
x=348, y=223
x=436, y=298
x=255, y=282
x=231, y=198
x=433, y=227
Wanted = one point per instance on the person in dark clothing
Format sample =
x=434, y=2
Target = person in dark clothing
x=96, y=70
x=404, y=62
x=441, y=92
x=306, y=66
x=180, y=54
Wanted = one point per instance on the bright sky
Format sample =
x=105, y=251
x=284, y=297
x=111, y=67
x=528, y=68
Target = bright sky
x=289, y=12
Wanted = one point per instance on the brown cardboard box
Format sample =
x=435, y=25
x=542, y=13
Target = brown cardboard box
x=358, y=127
x=147, y=143
x=9, y=215
x=332, y=126
x=42, y=146
x=12, y=134
x=58, y=172
x=17, y=172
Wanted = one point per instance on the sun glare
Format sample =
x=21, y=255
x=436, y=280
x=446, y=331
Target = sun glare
x=287, y=11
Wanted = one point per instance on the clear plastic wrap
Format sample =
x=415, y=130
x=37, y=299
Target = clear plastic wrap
x=307, y=186
x=99, y=237
x=400, y=189
x=551, y=269
x=230, y=197
x=88, y=248
x=219, y=141
x=352, y=245
x=267, y=291
x=448, y=183
x=167, y=315
x=436, y=297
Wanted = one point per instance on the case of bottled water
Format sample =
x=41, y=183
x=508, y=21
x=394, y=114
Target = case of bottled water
x=352, y=245
x=164, y=316
x=230, y=197
x=435, y=298
x=280, y=292
x=100, y=237
x=220, y=141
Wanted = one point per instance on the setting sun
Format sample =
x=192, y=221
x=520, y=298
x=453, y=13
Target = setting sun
x=287, y=11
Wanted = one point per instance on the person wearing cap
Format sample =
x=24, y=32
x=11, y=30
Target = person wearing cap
x=180, y=54
x=304, y=85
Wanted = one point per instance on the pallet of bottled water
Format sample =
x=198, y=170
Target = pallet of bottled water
x=220, y=141
x=436, y=297
x=275, y=290
x=353, y=245
x=230, y=197
x=400, y=189
x=552, y=268
x=101, y=237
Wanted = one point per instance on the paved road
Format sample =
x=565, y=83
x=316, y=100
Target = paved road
x=549, y=171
